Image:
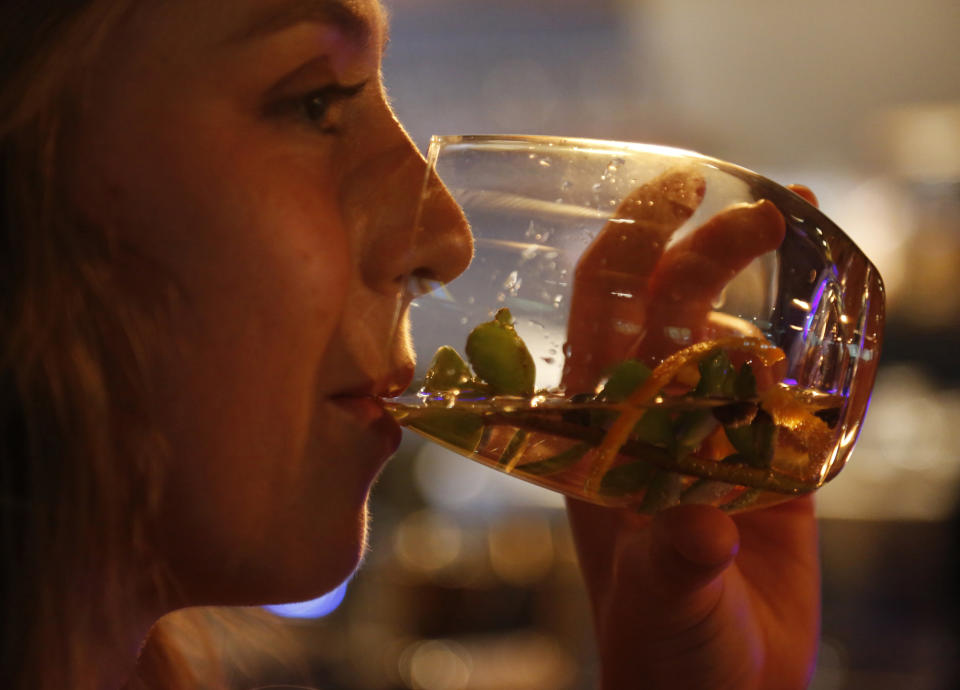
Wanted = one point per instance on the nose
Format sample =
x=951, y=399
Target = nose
x=443, y=243
x=412, y=227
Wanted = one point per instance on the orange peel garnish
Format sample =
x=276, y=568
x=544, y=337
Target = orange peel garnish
x=632, y=409
x=789, y=413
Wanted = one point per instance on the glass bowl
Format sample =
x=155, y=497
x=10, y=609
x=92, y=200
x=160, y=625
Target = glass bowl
x=642, y=326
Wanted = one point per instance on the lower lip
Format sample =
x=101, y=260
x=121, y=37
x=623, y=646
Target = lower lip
x=369, y=412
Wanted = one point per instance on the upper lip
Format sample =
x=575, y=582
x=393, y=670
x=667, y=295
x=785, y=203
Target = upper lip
x=388, y=386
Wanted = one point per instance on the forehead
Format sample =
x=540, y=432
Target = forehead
x=212, y=23
x=361, y=20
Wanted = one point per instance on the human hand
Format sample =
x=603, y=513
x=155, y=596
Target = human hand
x=694, y=598
x=691, y=598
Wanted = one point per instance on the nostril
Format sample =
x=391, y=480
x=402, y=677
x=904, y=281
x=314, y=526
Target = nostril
x=420, y=282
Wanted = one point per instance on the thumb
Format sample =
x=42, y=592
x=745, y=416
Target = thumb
x=671, y=572
x=665, y=586
x=690, y=547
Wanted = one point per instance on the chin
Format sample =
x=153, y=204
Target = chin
x=332, y=559
x=327, y=533
x=300, y=562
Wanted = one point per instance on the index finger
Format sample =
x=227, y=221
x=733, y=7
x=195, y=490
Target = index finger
x=695, y=269
x=610, y=281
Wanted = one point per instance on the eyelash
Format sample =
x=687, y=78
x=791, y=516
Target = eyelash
x=315, y=106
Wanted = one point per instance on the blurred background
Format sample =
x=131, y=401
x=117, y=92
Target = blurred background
x=471, y=582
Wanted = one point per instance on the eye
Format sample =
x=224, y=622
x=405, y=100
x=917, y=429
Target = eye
x=317, y=104
x=318, y=107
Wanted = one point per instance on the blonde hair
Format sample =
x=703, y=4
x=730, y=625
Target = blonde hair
x=75, y=497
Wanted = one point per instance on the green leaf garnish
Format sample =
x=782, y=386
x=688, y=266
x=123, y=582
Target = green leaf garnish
x=736, y=414
x=558, y=462
x=717, y=375
x=624, y=378
x=655, y=427
x=756, y=441
x=691, y=429
x=744, y=500
x=626, y=479
x=457, y=428
x=663, y=491
x=500, y=357
x=745, y=384
x=447, y=371
x=516, y=444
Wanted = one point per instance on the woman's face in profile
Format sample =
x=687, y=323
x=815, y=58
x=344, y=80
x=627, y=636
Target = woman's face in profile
x=245, y=159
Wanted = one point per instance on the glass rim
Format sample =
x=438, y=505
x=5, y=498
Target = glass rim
x=562, y=141
x=520, y=142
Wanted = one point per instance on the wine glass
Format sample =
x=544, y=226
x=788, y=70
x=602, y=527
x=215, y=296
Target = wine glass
x=642, y=326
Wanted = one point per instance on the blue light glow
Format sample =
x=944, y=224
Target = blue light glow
x=814, y=308
x=315, y=608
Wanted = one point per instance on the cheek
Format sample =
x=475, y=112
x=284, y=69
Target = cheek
x=262, y=299
x=239, y=401
x=246, y=264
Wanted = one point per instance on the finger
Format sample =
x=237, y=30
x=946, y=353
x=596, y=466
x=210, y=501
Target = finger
x=695, y=270
x=804, y=192
x=691, y=546
x=596, y=530
x=692, y=273
x=632, y=241
x=779, y=556
x=781, y=536
x=607, y=309
x=670, y=573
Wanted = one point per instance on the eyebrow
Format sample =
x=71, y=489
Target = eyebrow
x=286, y=14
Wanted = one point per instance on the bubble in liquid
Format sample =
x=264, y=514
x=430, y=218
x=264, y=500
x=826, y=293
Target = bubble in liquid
x=567, y=350
x=548, y=360
x=556, y=301
x=512, y=283
x=566, y=184
x=597, y=186
x=544, y=162
x=501, y=297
